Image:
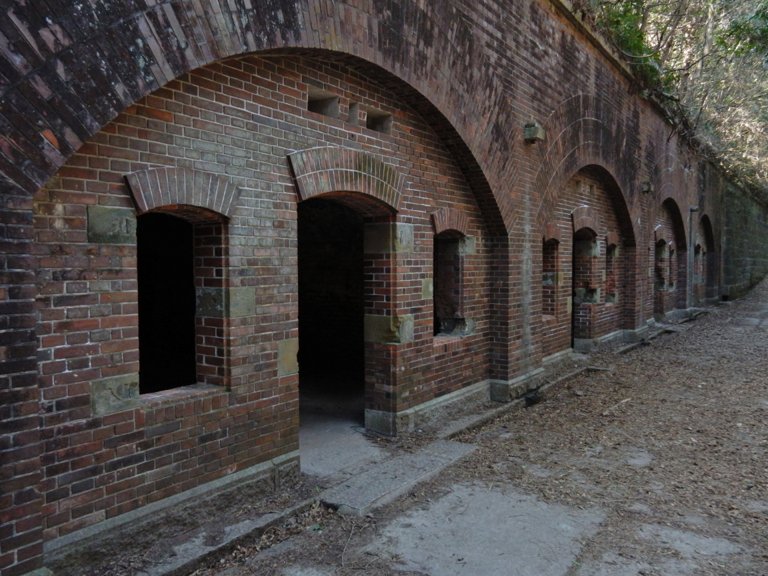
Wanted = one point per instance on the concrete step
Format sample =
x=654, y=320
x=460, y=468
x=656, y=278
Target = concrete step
x=385, y=481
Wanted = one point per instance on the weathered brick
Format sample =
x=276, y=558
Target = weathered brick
x=210, y=144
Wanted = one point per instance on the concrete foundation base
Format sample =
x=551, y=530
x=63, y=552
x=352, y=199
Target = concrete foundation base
x=393, y=423
x=273, y=474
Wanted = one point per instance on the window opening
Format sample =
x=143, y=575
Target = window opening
x=585, y=292
x=698, y=265
x=672, y=275
x=661, y=265
x=378, y=121
x=448, y=288
x=549, y=277
x=611, y=290
x=166, y=287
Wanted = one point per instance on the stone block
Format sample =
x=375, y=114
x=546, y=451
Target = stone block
x=468, y=246
x=211, y=302
x=111, y=225
x=287, y=357
x=114, y=394
x=389, y=329
x=380, y=422
x=427, y=288
x=242, y=302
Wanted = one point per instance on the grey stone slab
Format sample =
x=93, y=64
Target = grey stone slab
x=114, y=394
x=479, y=529
x=385, y=482
x=111, y=225
x=321, y=437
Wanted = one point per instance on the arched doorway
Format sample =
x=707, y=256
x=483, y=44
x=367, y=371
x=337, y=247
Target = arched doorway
x=599, y=263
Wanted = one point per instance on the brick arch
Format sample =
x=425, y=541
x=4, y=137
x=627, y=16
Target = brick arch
x=446, y=219
x=330, y=170
x=681, y=242
x=129, y=53
x=167, y=186
x=709, y=236
x=588, y=130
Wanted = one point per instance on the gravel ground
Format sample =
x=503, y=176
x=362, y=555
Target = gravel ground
x=664, y=445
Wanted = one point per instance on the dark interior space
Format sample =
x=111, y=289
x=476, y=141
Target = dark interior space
x=331, y=346
x=584, y=289
x=166, y=302
x=447, y=284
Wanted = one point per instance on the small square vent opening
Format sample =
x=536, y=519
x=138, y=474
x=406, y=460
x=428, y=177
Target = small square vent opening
x=323, y=102
x=378, y=121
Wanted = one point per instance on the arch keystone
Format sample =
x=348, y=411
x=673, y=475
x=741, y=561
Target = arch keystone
x=585, y=217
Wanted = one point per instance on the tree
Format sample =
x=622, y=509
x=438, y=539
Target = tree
x=706, y=61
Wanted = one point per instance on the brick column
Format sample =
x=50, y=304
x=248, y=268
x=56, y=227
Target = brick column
x=21, y=542
x=386, y=328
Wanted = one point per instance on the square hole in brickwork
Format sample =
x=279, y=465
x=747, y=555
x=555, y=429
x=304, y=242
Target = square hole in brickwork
x=322, y=102
x=378, y=121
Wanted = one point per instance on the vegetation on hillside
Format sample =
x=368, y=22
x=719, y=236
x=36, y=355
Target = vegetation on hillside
x=706, y=61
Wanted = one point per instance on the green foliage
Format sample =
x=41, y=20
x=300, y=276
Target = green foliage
x=706, y=61
x=748, y=33
x=624, y=23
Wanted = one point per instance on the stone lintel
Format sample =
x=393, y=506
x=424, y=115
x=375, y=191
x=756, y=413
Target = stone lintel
x=388, y=238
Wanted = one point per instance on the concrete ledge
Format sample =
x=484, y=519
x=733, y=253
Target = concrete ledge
x=393, y=423
x=557, y=357
x=508, y=391
x=39, y=572
x=587, y=345
x=270, y=472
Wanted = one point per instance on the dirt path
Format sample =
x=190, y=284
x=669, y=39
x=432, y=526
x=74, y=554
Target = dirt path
x=650, y=462
x=664, y=447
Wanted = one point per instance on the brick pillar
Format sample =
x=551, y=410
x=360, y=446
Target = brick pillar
x=386, y=328
x=21, y=540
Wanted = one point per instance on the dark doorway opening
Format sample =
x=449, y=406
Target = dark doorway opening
x=331, y=310
x=166, y=302
x=585, y=292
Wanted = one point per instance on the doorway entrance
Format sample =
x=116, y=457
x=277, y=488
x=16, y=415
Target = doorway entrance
x=331, y=310
x=584, y=293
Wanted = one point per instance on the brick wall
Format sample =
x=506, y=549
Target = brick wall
x=110, y=114
x=240, y=119
x=591, y=289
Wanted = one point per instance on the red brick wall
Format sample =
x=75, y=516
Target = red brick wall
x=239, y=118
x=113, y=94
x=590, y=297
x=670, y=275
